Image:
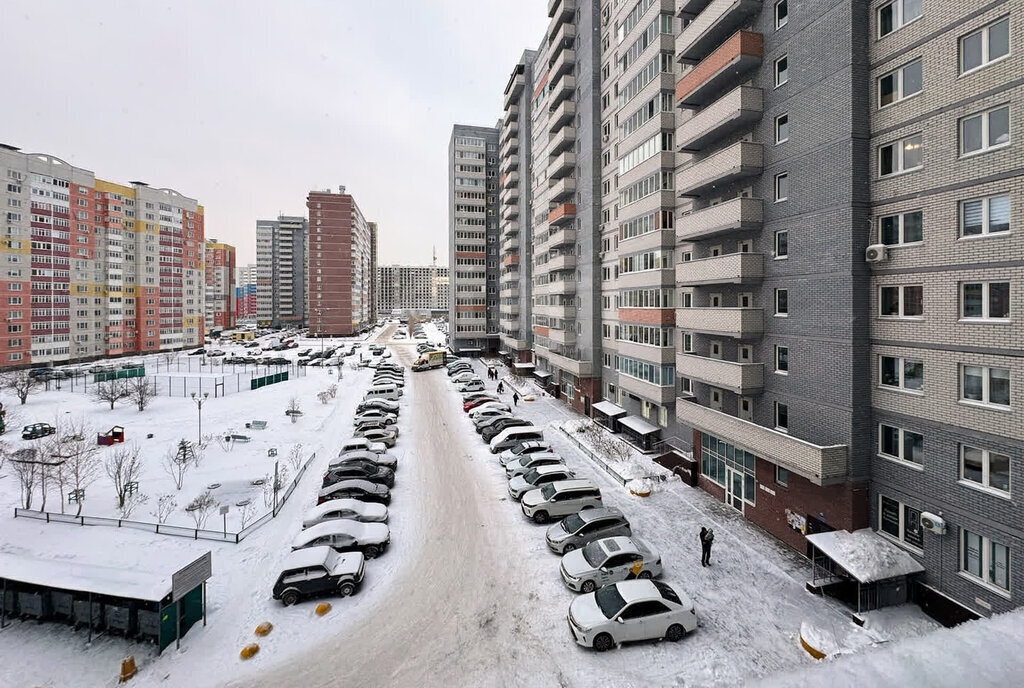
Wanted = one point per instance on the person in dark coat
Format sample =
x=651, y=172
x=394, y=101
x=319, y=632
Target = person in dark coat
x=707, y=536
x=515, y=398
x=501, y=388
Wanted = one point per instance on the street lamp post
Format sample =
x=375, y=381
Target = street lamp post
x=199, y=403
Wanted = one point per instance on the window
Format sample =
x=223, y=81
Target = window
x=900, y=83
x=782, y=360
x=985, y=559
x=901, y=373
x=985, y=385
x=687, y=343
x=781, y=416
x=896, y=15
x=985, y=45
x=781, y=14
x=782, y=128
x=685, y=385
x=903, y=228
x=985, y=131
x=984, y=216
x=900, y=521
x=897, y=443
x=782, y=244
x=781, y=187
x=901, y=302
x=781, y=476
x=782, y=302
x=985, y=468
x=781, y=70
x=985, y=300
x=900, y=156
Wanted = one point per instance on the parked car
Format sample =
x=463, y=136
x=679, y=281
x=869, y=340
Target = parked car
x=486, y=419
x=375, y=415
x=465, y=376
x=366, y=512
x=484, y=398
x=459, y=369
x=318, y=571
x=560, y=499
x=523, y=449
x=608, y=560
x=629, y=611
x=387, y=437
x=396, y=380
x=216, y=352
x=362, y=444
x=537, y=477
x=361, y=470
x=365, y=426
x=575, y=531
x=495, y=406
x=526, y=463
x=513, y=435
x=492, y=430
x=198, y=352
x=37, y=430
x=346, y=535
x=385, y=405
x=386, y=460
x=356, y=489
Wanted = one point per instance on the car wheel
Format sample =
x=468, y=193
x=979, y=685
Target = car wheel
x=290, y=598
x=568, y=548
x=646, y=575
x=675, y=633
x=540, y=517
x=588, y=586
x=603, y=642
x=371, y=551
x=346, y=589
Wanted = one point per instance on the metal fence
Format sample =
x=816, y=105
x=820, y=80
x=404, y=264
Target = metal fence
x=236, y=378
x=165, y=529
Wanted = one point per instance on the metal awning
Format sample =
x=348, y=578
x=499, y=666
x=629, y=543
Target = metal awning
x=638, y=425
x=542, y=374
x=865, y=555
x=609, y=409
x=522, y=366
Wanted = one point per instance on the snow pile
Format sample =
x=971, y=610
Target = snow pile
x=865, y=554
x=615, y=455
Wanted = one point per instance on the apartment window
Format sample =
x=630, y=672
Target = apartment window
x=902, y=228
x=781, y=70
x=781, y=416
x=782, y=302
x=985, y=385
x=782, y=244
x=782, y=128
x=685, y=385
x=897, y=443
x=985, y=45
x=901, y=373
x=687, y=300
x=985, y=559
x=985, y=300
x=716, y=399
x=688, y=343
x=900, y=156
x=781, y=187
x=984, y=468
x=900, y=83
x=900, y=521
x=984, y=216
x=985, y=131
x=781, y=14
x=782, y=360
x=781, y=476
x=896, y=15
x=901, y=302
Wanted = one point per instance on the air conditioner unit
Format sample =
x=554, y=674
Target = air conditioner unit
x=876, y=253
x=934, y=523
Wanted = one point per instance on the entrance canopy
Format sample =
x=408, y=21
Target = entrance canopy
x=865, y=555
x=523, y=366
x=638, y=425
x=609, y=409
x=502, y=352
x=541, y=374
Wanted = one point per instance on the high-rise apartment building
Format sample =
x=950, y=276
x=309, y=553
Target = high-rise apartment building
x=95, y=268
x=473, y=238
x=412, y=287
x=281, y=271
x=342, y=265
x=245, y=292
x=220, y=286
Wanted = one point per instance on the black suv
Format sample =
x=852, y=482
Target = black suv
x=318, y=571
x=492, y=430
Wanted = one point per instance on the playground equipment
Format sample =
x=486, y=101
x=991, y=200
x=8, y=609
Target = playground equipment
x=113, y=436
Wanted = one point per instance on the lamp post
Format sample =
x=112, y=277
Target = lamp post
x=199, y=403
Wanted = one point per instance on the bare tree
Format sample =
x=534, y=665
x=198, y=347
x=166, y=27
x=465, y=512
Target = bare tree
x=295, y=456
x=123, y=466
x=80, y=454
x=333, y=389
x=111, y=391
x=324, y=397
x=294, y=405
x=20, y=383
x=165, y=506
x=131, y=502
x=200, y=508
x=177, y=461
x=141, y=392
x=25, y=468
x=246, y=513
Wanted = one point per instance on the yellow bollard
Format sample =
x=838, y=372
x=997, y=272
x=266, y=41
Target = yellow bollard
x=128, y=668
x=323, y=608
x=249, y=650
x=264, y=628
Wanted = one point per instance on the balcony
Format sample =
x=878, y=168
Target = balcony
x=740, y=378
x=510, y=147
x=511, y=259
x=731, y=268
x=510, y=212
x=564, y=63
x=737, y=323
x=740, y=160
x=563, y=140
x=647, y=390
x=563, y=287
x=730, y=113
x=562, y=237
x=661, y=355
x=567, y=337
x=561, y=7
x=562, y=312
x=509, y=293
x=566, y=186
x=562, y=214
x=510, y=179
x=641, y=279
x=510, y=196
x=512, y=342
x=691, y=8
x=564, y=36
x=512, y=113
x=510, y=245
x=562, y=165
x=718, y=21
x=562, y=261
x=822, y=465
x=581, y=369
x=510, y=229
x=509, y=130
x=561, y=115
x=563, y=89
x=509, y=163
x=515, y=87
x=736, y=215
x=720, y=70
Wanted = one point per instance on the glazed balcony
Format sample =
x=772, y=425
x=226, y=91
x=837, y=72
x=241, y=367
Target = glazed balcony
x=732, y=216
x=740, y=160
x=563, y=89
x=822, y=465
x=730, y=268
x=560, y=311
x=737, y=109
x=740, y=378
x=563, y=188
x=662, y=355
x=721, y=70
x=736, y=323
x=719, y=20
x=560, y=115
x=563, y=63
x=563, y=140
x=562, y=164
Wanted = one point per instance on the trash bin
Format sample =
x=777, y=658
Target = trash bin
x=81, y=614
x=35, y=605
x=63, y=604
x=119, y=619
x=149, y=625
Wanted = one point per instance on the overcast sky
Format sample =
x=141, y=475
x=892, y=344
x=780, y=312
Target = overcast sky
x=246, y=106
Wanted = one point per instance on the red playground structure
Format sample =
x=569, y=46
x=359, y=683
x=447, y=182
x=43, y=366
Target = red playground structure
x=112, y=436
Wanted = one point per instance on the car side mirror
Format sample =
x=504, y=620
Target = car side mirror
x=620, y=619
x=604, y=569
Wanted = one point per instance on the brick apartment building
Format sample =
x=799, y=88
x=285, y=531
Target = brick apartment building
x=220, y=286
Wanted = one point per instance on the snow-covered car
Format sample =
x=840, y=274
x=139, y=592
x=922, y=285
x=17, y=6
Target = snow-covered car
x=387, y=460
x=608, y=560
x=480, y=423
x=355, y=489
x=560, y=499
x=388, y=437
x=536, y=477
x=530, y=461
x=471, y=386
x=346, y=535
x=365, y=426
x=523, y=449
x=388, y=379
x=318, y=571
x=375, y=417
x=464, y=377
x=385, y=405
x=353, y=509
x=476, y=399
x=363, y=470
x=216, y=352
x=629, y=611
x=362, y=444
x=499, y=406
x=577, y=530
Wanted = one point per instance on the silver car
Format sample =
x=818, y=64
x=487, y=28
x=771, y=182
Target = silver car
x=577, y=530
x=521, y=465
x=609, y=560
x=523, y=449
x=386, y=437
x=535, y=477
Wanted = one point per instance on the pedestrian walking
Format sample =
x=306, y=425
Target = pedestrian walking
x=501, y=387
x=707, y=536
x=515, y=398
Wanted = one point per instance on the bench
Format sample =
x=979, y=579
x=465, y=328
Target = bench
x=256, y=425
x=238, y=438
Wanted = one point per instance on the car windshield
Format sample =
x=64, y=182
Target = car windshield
x=548, y=491
x=531, y=476
x=593, y=554
x=571, y=524
x=609, y=601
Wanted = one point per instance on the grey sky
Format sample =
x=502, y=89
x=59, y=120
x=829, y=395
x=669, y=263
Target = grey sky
x=248, y=105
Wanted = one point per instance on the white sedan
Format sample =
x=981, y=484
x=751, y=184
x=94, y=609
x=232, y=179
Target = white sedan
x=354, y=509
x=520, y=466
x=629, y=611
x=464, y=377
x=523, y=449
x=609, y=560
x=537, y=477
x=491, y=408
x=375, y=417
